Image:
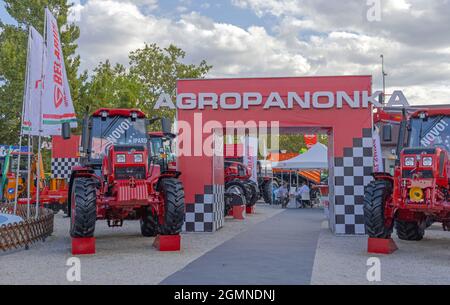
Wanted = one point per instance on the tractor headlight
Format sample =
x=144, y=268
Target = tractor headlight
x=409, y=161
x=427, y=161
x=138, y=158
x=121, y=158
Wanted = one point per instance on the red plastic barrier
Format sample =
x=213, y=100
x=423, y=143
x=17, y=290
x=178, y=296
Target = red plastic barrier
x=381, y=245
x=239, y=212
x=167, y=242
x=83, y=246
x=250, y=210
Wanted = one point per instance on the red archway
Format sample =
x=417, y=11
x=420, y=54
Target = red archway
x=348, y=118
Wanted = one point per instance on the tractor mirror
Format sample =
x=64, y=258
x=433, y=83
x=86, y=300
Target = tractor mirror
x=387, y=133
x=65, y=131
x=166, y=125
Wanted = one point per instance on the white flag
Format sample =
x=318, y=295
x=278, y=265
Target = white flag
x=377, y=153
x=57, y=105
x=34, y=82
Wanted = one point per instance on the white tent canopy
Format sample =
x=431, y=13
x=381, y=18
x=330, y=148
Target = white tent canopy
x=315, y=158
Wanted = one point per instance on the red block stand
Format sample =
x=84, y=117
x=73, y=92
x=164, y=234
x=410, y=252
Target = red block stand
x=83, y=246
x=167, y=242
x=250, y=210
x=381, y=245
x=239, y=212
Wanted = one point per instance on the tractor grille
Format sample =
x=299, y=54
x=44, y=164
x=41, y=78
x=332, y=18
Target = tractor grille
x=127, y=148
x=125, y=173
x=407, y=173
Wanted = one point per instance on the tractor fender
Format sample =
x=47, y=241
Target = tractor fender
x=381, y=176
x=170, y=174
x=77, y=171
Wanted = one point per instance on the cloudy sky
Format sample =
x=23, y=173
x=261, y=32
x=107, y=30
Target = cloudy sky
x=281, y=38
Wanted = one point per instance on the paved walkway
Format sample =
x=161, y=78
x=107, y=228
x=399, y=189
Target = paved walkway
x=280, y=250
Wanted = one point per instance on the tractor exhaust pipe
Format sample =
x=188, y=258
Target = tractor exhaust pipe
x=85, y=135
x=401, y=136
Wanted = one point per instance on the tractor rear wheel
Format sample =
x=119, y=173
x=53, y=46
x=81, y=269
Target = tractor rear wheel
x=267, y=191
x=149, y=223
x=409, y=230
x=83, y=208
x=238, y=188
x=253, y=192
x=173, y=192
x=375, y=197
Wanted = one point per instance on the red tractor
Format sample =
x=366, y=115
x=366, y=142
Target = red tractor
x=117, y=179
x=418, y=193
x=238, y=182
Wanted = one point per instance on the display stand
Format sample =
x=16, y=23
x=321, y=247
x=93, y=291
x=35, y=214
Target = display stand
x=239, y=212
x=381, y=245
x=167, y=242
x=83, y=246
x=250, y=209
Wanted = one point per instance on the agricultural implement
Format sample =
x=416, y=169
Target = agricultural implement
x=52, y=193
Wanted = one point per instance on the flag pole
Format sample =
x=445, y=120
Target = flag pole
x=25, y=89
x=30, y=149
x=38, y=163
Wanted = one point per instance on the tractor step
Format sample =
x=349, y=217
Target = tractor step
x=83, y=246
x=381, y=245
x=168, y=242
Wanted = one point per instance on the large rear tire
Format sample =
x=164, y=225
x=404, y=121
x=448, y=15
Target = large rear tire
x=375, y=197
x=173, y=192
x=238, y=188
x=267, y=191
x=83, y=208
x=253, y=192
x=411, y=231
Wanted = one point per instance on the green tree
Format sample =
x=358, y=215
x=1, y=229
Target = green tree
x=110, y=87
x=13, y=49
x=158, y=70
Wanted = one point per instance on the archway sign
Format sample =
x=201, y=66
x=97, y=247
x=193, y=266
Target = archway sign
x=341, y=105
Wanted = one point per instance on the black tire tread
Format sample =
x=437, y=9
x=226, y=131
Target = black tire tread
x=85, y=208
x=375, y=196
x=267, y=192
x=149, y=223
x=410, y=231
x=173, y=192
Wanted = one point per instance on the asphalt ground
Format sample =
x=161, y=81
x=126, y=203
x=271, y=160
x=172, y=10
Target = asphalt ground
x=279, y=250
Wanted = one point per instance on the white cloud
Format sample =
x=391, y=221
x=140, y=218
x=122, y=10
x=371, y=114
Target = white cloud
x=311, y=37
x=111, y=30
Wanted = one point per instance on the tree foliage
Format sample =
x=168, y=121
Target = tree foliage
x=159, y=69
x=13, y=49
x=152, y=71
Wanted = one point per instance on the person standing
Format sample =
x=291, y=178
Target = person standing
x=303, y=195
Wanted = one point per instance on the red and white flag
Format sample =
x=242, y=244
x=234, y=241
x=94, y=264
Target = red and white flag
x=35, y=61
x=57, y=105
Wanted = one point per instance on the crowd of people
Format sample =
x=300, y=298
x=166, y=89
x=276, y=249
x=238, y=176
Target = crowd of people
x=303, y=195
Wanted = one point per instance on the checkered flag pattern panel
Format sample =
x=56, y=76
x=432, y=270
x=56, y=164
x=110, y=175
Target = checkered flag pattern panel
x=62, y=167
x=207, y=213
x=351, y=173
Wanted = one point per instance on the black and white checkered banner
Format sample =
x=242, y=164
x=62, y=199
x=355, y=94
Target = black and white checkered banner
x=62, y=167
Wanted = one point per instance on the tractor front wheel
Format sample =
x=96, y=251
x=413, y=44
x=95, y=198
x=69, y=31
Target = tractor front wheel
x=173, y=192
x=149, y=223
x=375, y=197
x=83, y=208
x=411, y=231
